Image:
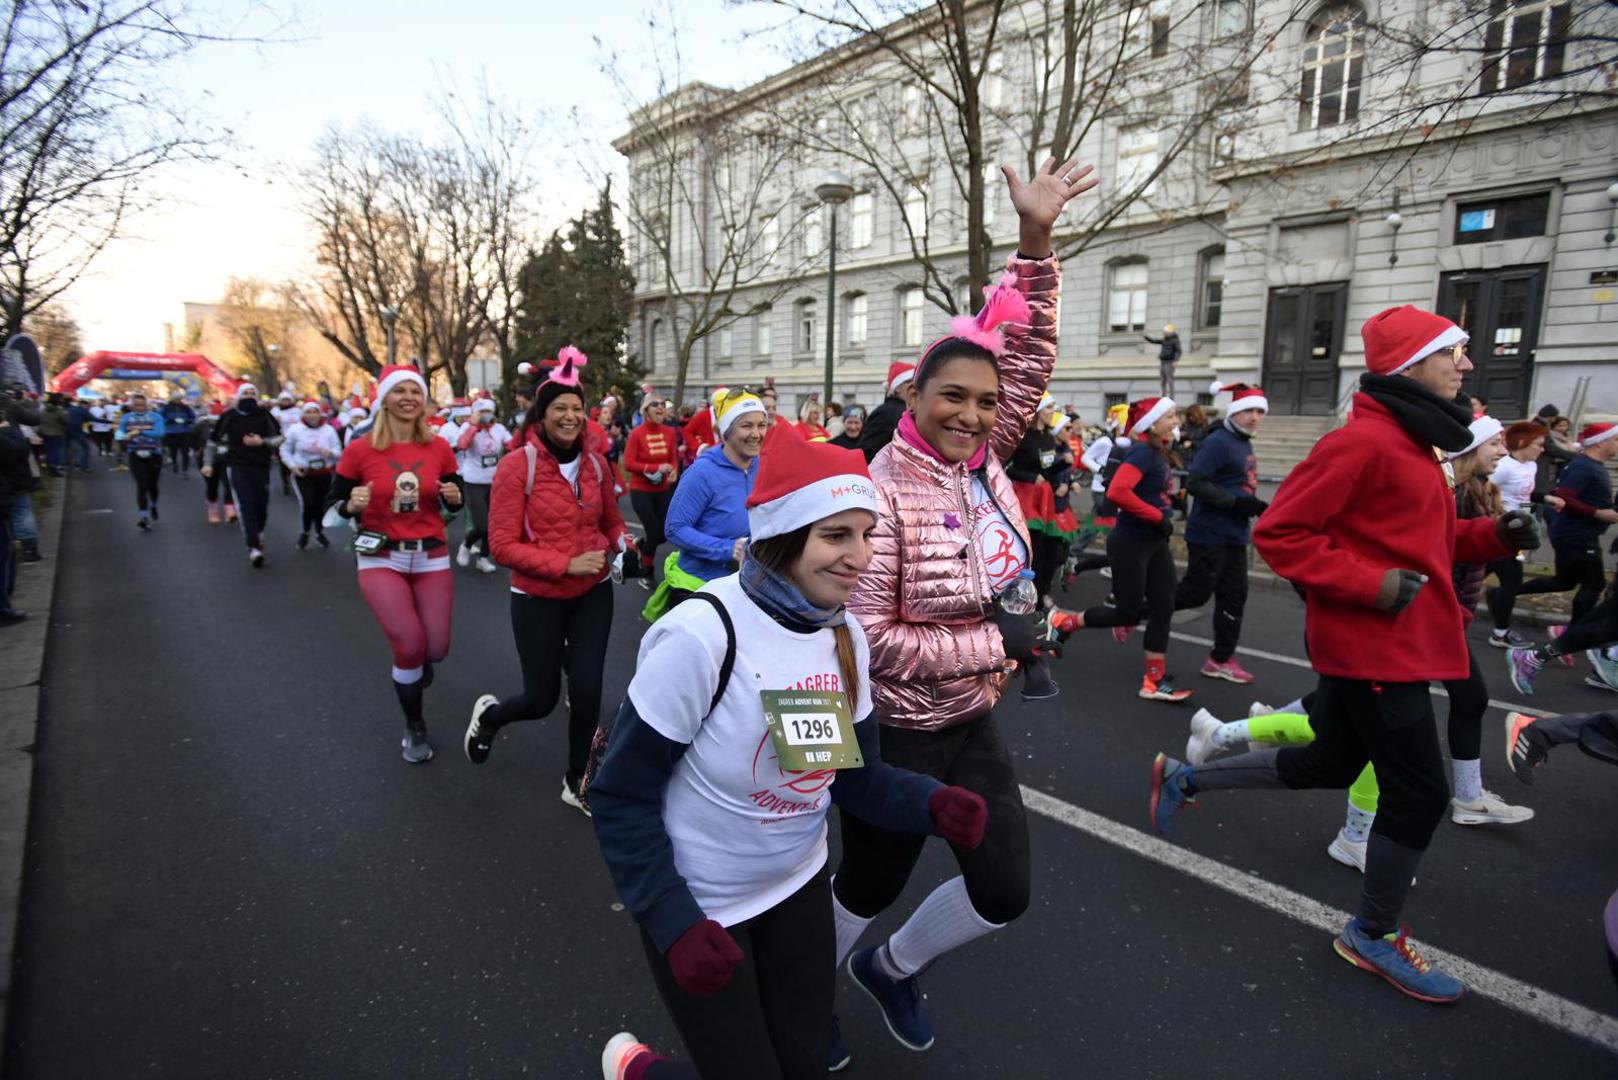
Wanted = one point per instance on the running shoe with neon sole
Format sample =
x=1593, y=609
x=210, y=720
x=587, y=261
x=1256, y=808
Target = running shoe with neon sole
x=479, y=737
x=837, y=1055
x=1487, y=809
x=1526, y=746
x=1523, y=665
x=1554, y=632
x=1169, y=780
x=1162, y=689
x=900, y=1000
x=1230, y=671
x=1200, y=746
x=1396, y=958
x=621, y=1051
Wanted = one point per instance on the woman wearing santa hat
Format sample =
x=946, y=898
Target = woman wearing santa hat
x=880, y=425
x=553, y=519
x=652, y=461
x=310, y=448
x=1366, y=526
x=949, y=546
x=392, y=483
x=1143, y=573
x=750, y=713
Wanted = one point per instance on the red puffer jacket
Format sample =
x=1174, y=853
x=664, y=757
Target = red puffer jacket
x=562, y=523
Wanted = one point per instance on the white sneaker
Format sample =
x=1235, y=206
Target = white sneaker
x=255, y=556
x=1200, y=747
x=1346, y=851
x=1258, y=708
x=485, y=565
x=1487, y=809
x=1106, y=572
x=571, y=797
x=620, y=1050
x=463, y=556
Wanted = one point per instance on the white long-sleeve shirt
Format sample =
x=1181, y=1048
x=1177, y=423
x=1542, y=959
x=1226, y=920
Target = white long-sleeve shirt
x=483, y=452
x=1515, y=479
x=1095, y=459
x=306, y=447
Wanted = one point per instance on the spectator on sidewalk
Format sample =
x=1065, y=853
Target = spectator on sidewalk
x=1168, y=354
x=53, y=429
x=16, y=482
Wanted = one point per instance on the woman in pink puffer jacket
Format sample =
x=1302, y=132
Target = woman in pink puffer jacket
x=950, y=539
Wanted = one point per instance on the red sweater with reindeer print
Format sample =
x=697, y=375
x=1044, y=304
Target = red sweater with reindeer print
x=392, y=474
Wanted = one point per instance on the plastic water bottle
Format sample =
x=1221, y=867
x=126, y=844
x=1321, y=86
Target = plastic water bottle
x=1020, y=597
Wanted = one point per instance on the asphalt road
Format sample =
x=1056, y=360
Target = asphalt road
x=232, y=873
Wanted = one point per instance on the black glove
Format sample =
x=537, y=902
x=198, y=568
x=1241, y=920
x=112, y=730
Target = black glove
x=1017, y=632
x=1519, y=530
x=1399, y=587
x=1251, y=505
x=1166, y=526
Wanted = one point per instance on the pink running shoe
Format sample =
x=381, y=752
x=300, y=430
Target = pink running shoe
x=1555, y=632
x=1230, y=671
x=1120, y=634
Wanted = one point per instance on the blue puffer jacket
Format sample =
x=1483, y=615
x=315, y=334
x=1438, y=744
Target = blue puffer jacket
x=709, y=513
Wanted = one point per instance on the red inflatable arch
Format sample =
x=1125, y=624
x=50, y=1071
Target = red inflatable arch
x=131, y=364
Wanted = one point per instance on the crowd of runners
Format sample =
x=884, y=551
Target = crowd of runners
x=838, y=603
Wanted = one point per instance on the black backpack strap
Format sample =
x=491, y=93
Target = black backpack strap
x=729, y=662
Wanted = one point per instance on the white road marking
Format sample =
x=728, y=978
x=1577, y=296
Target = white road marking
x=1531, y=1001
x=1298, y=662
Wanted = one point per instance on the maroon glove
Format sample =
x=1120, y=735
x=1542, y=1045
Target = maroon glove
x=959, y=816
x=703, y=957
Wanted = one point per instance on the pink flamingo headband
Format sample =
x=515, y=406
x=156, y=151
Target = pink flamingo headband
x=1006, y=306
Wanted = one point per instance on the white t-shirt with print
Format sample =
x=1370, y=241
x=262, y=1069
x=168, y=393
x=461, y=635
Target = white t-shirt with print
x=1003, y=552
x=487, y=442
x=746, y=834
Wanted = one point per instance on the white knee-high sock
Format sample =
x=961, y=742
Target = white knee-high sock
x=1468, y=779
x=944, y=921
x=849, y=927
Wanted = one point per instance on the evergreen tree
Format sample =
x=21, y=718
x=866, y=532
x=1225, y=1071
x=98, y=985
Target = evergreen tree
x=577, y=289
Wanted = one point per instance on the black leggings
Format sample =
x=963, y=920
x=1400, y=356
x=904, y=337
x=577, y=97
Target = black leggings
x=251, y=483
x=1219, y=571
x=773, y=1019
x=552, y=635
x=312, y=489
x=1468, y=701
x=1592, y=630
x=1049, y=554
x=147, y=471
x=878, y=862
x=1503, y=597
x=477, y=517
x=652, y=511
x=179, y=448
x=1577, y=565
x=218, y=484
x=1142, y=575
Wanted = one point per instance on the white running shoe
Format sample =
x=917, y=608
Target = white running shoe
x=1346, y=851
x=485, y=565
x=1200, y=747
x=463, y=556
x=571, y=797
x=1258, y=708
x=1487, y=809
x=620, y=1050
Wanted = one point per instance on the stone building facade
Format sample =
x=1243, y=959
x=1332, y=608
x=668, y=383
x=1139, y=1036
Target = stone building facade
x=1268, y=242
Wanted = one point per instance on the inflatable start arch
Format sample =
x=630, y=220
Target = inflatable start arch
x=134, y=365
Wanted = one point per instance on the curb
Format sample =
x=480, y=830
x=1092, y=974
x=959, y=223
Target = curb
x=22, y=665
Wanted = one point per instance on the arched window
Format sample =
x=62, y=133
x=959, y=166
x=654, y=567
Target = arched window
x=1333, y=62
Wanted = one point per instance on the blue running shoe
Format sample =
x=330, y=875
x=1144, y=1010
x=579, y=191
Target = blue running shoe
x=1169, y=780
x=837, y=1055
x=899, y=1000
x=1523, y=664
x=1395, y=958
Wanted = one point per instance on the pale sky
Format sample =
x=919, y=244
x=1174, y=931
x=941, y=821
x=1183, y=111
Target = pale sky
x=382, y=61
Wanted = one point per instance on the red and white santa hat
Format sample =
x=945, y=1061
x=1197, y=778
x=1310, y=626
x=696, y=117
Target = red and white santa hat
x=1483, y=429
x=1400, y=337
x=800, y=482
x=392, y=376
x=483, y=404
x=1593, y=434
x=1146, y=412
x=899, y=373
x=1242, y=396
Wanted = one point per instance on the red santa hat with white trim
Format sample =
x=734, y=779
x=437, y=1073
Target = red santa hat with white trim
x=1594, y=434
x=800, y=482
x=392, y=376
x=1400, y=337
x=1146, y=412
x=1242, y=396
x=899, y=373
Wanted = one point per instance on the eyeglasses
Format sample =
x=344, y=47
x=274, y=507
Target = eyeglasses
x=1457, y=355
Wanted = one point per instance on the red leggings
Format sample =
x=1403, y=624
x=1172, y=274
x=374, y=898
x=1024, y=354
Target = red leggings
x=413, y=609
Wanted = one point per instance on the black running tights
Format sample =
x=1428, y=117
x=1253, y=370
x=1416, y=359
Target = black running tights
x=147, y=471
x=552, y=635
x=1143, y=575
x=1592, y=630
x=1577, y=566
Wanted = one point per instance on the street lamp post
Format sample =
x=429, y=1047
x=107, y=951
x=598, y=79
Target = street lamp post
x=389, y=315
x=833, y=191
